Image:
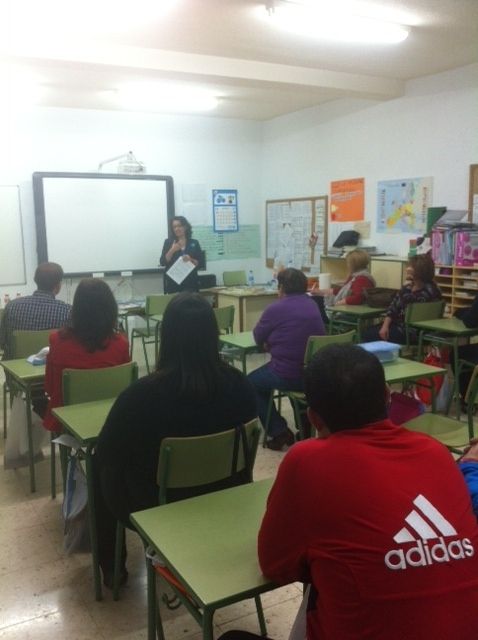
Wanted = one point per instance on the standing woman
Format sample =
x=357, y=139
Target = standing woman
x=180, y=245
x=89, y=341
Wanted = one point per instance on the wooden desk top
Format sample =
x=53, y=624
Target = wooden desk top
x=23, y=371
x=402, y=369
x=210, y=542
x=453, y=326
x=84, y=421
x=362, y=310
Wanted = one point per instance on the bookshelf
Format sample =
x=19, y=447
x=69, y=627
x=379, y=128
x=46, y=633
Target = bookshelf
x=459, y=286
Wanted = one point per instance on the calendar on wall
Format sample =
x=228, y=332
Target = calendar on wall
x=224, y=210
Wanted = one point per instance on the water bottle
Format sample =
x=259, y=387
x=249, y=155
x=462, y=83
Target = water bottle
x=6, y=299
x=250, y=278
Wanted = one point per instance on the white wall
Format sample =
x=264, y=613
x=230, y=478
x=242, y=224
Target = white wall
x=431, y=131
x=215, y=153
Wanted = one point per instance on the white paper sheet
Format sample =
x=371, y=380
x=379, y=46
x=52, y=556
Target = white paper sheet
x=180, y=270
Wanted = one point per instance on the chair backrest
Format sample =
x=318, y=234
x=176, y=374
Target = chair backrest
x=418, y=311
x=156, y=304
x=314, y=343
x=234, y=278
x=201, y=460
x=27, y=343
x=225, y=318
x=87, y=385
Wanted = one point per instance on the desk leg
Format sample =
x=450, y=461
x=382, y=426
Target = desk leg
x=207, y=631
x=456, y=386
x=92, y=523
x=260, y=615
x=31, y=461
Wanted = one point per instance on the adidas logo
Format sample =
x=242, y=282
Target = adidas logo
x=427, y=523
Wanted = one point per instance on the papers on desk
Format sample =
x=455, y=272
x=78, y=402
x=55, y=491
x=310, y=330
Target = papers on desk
x=180, y=270
x=40, y=357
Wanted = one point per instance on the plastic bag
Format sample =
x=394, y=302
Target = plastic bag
x=16, y=446
x=425, y=385
x=404, y=407
x=75, y=509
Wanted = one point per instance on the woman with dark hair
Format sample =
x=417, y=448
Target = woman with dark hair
x=420, y=287
x=193, y=392
x=181, y=245
x=89, y=341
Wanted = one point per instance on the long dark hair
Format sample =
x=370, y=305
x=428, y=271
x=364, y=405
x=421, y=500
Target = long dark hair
x=188, y=230
x=189, y=351
x=93, y=314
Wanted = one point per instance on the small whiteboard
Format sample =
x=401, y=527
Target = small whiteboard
x=12, y=256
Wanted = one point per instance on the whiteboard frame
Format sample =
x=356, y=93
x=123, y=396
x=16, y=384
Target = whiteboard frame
x=39, y=204
x=17, y=241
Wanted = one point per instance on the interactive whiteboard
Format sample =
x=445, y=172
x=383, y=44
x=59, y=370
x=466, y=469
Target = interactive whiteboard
x=102, y=223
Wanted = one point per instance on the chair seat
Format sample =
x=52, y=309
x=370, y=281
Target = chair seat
x=144, y=332
x=450, y=432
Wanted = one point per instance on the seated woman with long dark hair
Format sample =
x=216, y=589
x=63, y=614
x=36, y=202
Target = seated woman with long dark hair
x=192, y=393
x=89, y=341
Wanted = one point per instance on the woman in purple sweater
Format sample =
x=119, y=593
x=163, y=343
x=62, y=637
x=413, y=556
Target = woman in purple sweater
x=283, y=330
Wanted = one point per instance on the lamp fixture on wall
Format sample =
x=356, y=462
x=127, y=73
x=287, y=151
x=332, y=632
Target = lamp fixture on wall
x=128, y=163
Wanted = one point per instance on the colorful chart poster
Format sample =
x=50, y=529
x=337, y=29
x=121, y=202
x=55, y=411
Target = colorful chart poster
x=224, y=209
x=347, y=200
x=402, y=205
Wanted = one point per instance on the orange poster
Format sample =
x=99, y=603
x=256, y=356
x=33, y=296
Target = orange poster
x=347, y=200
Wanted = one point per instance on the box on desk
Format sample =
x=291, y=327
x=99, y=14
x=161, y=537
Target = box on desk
x=385, y=351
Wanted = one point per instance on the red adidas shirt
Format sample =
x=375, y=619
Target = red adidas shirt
x=380, y=521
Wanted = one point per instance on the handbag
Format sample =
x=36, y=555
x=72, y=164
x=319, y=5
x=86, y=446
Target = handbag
x=425, y=385
x=75, y=509
x=404, y=407
x=379, y=296
x=16, y=446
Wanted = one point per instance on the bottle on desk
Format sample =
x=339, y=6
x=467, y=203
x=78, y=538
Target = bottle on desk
x=250, y=278
x=6, y=299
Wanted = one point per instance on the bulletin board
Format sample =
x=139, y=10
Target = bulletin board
x=473, y=198
x=289, y=225
x=12, y=256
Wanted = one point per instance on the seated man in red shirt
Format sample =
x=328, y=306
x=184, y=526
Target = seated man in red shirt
x=375, y=517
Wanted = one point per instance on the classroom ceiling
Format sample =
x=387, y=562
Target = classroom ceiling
x=82, y=52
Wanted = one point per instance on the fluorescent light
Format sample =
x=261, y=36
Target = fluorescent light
x=166, y=98
x=337, y=22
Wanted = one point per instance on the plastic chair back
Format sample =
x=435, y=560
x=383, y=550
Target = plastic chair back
x=156, y=304
x=225, y=318
x=234, y=278
x=314, y=343
x=201, y=460
x=87, y=385
x=418, y=311
x=27, y=343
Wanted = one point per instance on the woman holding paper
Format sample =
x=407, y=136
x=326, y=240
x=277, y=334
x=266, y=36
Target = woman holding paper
x=181, y=246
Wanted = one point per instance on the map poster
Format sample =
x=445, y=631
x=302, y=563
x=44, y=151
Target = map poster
x=347, y=200
x=402, y=205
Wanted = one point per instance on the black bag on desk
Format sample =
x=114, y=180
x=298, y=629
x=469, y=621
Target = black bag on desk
x=379, y=296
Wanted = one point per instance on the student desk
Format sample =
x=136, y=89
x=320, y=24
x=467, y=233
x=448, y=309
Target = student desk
x=403, y=370
x=130, y=309
x=209, y=544
x=446, y=331
x=357, y=315
x=26, y=376
x=84, y=422
x=248, y=302
x=243, y=342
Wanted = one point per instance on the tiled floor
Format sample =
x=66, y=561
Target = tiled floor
x=45, y=594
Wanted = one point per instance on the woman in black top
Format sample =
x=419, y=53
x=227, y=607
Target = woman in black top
x=193, y=392
x=180, y=245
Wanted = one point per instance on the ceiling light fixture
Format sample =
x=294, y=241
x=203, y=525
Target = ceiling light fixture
x=338, y=21
x=166, y=98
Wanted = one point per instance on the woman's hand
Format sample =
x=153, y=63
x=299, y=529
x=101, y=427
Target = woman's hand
x=384, y=332
x=471, y=452
x=187, y=258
